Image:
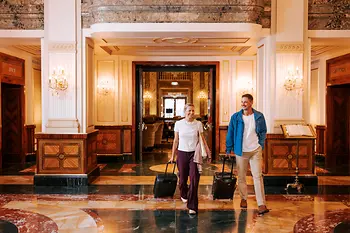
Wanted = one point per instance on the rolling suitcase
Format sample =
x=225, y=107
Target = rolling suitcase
x=165, y=183
x=224, y=183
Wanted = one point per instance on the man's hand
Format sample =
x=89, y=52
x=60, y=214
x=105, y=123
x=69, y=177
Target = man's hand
x=230, y=155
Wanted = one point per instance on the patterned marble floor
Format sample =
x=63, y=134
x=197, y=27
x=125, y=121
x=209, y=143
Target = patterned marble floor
x=121, y=200
x=142, y=213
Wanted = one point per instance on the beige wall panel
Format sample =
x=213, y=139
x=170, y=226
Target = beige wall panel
x=314, y=106
x=244, y=80
x=37, y=99
x=196, y=90
x=225, y=92
x=90, y=85
x=125, y=93
x=105, y=102
x=153, y=91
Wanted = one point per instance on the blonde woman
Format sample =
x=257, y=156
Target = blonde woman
x=186, y=138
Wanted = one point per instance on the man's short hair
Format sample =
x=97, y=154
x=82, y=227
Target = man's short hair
x=249, y=96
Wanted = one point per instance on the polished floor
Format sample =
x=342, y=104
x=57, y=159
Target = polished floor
x=121, y=200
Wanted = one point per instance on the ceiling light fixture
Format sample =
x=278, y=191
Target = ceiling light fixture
x=174, y=83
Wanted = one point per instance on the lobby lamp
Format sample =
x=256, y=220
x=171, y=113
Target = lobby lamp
x=202, y=95
x=293, y=81
x=58, y=81
x=104, y=87
x=147, y=95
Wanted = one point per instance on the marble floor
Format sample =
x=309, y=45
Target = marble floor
x=121, y=200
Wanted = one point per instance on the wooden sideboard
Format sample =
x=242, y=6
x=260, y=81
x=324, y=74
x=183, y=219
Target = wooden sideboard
x=280, y=155
x=67, y=160
x=114, y=140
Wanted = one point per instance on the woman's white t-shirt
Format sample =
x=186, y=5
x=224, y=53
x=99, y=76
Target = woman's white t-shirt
x=188, y=134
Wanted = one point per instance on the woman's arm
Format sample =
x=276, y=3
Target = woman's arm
x=175, y=145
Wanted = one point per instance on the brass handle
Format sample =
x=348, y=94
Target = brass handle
x=61, y=156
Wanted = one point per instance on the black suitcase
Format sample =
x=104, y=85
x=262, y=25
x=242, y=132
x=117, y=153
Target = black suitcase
x=165, y=183
x=224, y=183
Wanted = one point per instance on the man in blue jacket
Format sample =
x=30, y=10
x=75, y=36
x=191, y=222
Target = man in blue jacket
x=245, y=138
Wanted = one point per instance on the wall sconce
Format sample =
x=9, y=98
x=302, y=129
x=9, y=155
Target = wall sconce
x=202, y=95
x=293, y=81
x=245, y=86
x=147, y=95
x=104, y=87
x=58, y=81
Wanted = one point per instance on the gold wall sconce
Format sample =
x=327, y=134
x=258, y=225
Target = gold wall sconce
x=104, y=87
x=147, y=95
x=293, y=81
x=58, y=81
x=202, y=95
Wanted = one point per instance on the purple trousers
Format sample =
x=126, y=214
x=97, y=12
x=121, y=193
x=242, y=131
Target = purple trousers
x=187, y=168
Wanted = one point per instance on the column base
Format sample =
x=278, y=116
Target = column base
x=66, y=180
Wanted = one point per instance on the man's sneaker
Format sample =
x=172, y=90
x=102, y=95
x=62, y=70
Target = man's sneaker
x=244, y=204
x=183, y=200
x=262, y=209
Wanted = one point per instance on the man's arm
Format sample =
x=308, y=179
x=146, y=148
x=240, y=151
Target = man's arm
x=263, y=132
x=229, y=137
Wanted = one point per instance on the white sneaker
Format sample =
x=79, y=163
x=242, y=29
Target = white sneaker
x=192, y=212
x=183, y=200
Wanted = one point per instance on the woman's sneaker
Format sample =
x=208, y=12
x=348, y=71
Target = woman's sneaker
x=192, y=212
x=183, y=200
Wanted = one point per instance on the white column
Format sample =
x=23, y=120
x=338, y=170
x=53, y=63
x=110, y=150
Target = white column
x=289, y=27
x=61, y=49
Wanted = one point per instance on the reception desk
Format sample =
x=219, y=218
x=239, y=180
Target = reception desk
x=280, y=156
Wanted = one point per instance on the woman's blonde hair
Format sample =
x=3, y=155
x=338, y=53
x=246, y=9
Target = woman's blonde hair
x=188, y=105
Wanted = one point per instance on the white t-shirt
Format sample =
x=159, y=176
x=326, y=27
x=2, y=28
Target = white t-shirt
x=188, y=134
x=250, y=138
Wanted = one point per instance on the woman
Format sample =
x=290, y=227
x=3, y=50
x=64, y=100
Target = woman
x=186, y=138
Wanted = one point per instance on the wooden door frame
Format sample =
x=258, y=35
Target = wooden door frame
x=188, y=63
x=335, y=76
x=17, y=78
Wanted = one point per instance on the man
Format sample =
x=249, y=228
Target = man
x=245, y=138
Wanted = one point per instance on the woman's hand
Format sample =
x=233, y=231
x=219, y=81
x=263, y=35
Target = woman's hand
x=208, y=160
x=171, y=160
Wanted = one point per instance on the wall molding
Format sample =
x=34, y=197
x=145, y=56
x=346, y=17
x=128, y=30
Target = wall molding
x=289, y=47
x=69, y=47
x=62, y=126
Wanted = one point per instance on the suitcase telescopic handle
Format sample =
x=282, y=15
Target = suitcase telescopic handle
x=223, y=168
x=166, y=168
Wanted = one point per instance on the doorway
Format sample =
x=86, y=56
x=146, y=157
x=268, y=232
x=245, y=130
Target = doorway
x=161, y=92
x=12, y=115
x=338, y=129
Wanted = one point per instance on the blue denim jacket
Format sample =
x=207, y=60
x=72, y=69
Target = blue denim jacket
x=234, y=137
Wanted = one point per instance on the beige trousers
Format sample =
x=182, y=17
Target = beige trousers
x=255, y=160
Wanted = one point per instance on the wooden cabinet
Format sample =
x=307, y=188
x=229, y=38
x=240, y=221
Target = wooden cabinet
x=280, y=155
x=66, y=153
x=113, y=140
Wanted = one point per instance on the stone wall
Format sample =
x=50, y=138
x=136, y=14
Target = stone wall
x=175, y=11
x=329, y=14
x=22, y=14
